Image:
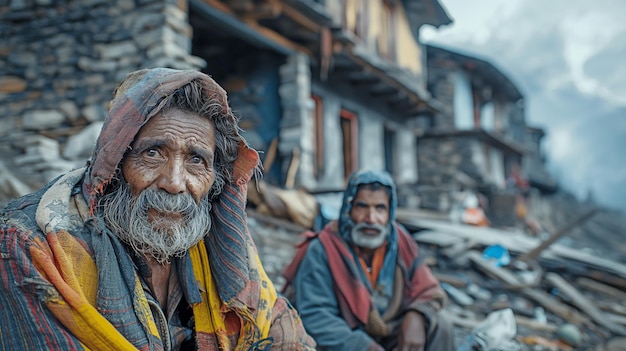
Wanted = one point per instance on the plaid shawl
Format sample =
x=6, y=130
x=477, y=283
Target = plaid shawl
x=69, y=260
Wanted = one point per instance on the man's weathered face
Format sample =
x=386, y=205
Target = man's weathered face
x=162, y=209
x=370, y=213
x=173, y=152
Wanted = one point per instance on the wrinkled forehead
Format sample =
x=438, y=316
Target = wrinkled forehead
x=368, y=196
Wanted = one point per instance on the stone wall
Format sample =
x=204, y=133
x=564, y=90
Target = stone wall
x=60, y=62
x=441, y=76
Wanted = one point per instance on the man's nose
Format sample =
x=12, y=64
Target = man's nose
x=172, y=178
x=370, y=216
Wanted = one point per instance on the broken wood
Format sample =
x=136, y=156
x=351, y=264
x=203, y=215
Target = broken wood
x=271, y=154
x=471, y=322
x=611, y=306
x=535, y=325
x=293, y=168
x=459, y=248
x=601, y=288
x=583, y=303
x=496, y=272
x=534, y=253
x=607, y=278
x=555, y=306
x=450, y=279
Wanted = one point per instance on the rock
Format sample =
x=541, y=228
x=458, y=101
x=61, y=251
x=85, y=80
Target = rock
x=42, y=119
x=569, y=334
x=82, y=144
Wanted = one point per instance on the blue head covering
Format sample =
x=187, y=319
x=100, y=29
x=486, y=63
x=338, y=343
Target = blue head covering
x=359, y=178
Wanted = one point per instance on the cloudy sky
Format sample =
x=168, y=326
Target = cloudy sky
x=568, y=58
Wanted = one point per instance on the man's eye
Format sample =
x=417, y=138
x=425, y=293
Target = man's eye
x=151, y=153
x=197, y=160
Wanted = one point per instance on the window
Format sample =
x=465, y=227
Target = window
x=463, y=102
x=487, y=117
x=354, y=15
x=318, y=125
x=387, y=41
x=349, y=132
x=390, y=150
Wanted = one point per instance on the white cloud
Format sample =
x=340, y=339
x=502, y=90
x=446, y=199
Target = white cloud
x=584, y=36
x=567, y=59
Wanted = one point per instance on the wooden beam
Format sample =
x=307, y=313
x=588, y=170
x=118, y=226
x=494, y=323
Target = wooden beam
x=219, y=6
x=272, y=35
x=584, y=304
x=490, y=269
x=555, y=306
x=383, y=76
x=299, y=18
x=534, y=253
x=269, y=10
x=601, y=288
x=264, y=31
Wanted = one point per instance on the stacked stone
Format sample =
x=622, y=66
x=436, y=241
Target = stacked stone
x=296, y=126
x=438, y=161
x=60, y=62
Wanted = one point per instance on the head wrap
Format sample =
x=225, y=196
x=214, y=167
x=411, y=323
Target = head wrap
x=359, y=178
x=137, y=99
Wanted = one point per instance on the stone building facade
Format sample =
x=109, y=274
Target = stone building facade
x=60, y=62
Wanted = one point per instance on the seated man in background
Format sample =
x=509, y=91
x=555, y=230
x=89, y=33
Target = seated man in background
x=360, y=284
x=147, y=246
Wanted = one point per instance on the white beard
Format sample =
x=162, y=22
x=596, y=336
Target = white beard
x=127, y=217
x=368, y=241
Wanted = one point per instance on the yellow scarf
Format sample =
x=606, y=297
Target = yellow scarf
x=65, y=263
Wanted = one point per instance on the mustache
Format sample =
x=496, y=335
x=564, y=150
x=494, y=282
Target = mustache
x=366, y=226
x=166, y=202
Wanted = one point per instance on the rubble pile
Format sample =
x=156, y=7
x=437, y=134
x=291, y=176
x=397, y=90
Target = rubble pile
x=551, y=299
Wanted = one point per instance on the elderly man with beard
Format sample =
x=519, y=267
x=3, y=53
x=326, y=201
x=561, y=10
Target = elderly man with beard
x=361, y=284
x=145, y=248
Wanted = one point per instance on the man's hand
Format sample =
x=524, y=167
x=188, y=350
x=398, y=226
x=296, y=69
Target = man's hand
x=412, y=335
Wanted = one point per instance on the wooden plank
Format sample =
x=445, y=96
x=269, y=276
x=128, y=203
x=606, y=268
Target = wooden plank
x=450, y=279
x=535, y=325
x=300, y=18
x=437, y=238
x=490, y=269
x=459, y=248
x=266, y=32
x=555, y=306
x=601, y=288
x=611, y=306
x=583, y=303
x=534, y=253
x=608, y=277
x=471, y=323
x=276, y=37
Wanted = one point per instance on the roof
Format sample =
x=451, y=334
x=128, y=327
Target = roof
x=477, y=67
x=494, y=139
